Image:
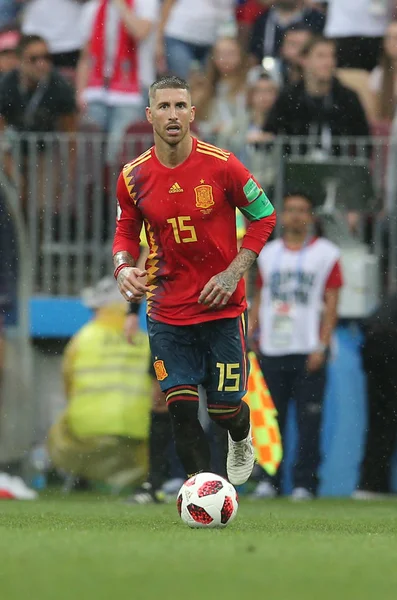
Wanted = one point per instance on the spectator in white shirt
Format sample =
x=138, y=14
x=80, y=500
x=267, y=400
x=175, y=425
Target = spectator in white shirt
x=57, y=22
x=358, y=28
x=187, y=31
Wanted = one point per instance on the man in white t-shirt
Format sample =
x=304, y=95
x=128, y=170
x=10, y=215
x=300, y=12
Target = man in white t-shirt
x=56, y=21
x=295, y=308
x=358, y=27
x=188, y=30
x=116, y=65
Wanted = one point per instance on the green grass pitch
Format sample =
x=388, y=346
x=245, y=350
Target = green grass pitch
x=99, y=548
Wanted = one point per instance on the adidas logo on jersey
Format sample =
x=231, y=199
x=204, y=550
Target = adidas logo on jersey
x=175, y=188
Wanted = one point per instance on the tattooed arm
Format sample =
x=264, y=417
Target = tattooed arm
x=244, y=193
x=221, y=287
x=126, y=249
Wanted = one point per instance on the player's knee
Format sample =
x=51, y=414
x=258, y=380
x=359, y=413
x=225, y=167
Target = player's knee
x=183, y=402
x=228, y=415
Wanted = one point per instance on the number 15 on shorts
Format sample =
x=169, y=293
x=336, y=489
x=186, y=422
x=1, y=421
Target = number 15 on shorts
x=229, y=377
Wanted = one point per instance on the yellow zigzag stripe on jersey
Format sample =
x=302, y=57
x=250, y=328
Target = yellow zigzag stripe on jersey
x=206, y=146
x=129, y=181
x=212, y=154
x=129, y=175
x=152, y=268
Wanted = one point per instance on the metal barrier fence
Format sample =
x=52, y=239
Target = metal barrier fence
x=67, y=196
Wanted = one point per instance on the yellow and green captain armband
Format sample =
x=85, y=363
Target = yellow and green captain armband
x=259, y=205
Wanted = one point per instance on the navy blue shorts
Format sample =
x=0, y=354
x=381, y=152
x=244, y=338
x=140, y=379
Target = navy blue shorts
x=212, y=354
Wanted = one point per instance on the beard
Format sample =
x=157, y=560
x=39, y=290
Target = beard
x=171, y=142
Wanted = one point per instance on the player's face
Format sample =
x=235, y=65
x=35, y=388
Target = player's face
x=297, y=215
x=293, y=43
x=227, y=56
x=320, y=63
x=171, y=113
x=36, y=61
x=264, y=94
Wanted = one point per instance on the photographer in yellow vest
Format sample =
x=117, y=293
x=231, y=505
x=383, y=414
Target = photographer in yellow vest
x=102, y=434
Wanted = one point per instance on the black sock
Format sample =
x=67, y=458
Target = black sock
x=239, y=425
x=159, y=439
x=191, y=443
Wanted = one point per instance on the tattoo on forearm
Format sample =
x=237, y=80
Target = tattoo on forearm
x=229, y=279
x=123, y=257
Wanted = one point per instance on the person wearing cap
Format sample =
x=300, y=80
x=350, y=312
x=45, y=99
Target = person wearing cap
x=102, y=434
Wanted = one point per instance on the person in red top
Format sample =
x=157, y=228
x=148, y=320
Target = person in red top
x=186, y=192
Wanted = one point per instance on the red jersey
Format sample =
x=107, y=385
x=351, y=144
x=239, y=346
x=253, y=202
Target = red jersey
x=190, y=222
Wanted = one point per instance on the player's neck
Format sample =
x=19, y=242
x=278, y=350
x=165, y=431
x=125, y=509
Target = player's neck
x=172, y=156
x=295, y=239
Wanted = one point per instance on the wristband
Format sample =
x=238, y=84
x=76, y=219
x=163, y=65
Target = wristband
x=133, y=308
x=119, y=268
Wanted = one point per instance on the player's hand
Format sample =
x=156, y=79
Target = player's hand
x=217, y=292
x=315, y=361
x=131, y=328
x=130, y=283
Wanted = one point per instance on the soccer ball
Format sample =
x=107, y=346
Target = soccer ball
x=207, y=500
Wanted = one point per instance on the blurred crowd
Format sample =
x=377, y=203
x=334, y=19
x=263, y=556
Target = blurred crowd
x=257, y=68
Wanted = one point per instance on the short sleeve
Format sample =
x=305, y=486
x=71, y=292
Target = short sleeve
x=335, y=279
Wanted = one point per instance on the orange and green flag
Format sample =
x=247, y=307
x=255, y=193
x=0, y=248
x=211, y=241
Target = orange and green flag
x=265, y=429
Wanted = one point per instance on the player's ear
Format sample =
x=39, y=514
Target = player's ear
x=149, y=114
x=192, y=114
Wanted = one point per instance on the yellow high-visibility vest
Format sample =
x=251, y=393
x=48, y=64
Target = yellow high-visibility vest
x=265, y=429
x=107, y=380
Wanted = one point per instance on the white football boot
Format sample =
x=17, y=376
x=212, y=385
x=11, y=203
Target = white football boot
x=240, y=459
x=301, y=494
x=14, y=488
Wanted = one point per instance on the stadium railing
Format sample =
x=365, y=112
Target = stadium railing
x=66, y=196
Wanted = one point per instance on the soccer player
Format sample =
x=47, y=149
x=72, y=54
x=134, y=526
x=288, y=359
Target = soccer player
x=186, y=193
x=160, y=433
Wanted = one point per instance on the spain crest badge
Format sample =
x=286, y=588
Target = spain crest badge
x=160, y=370
x=204, y=196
